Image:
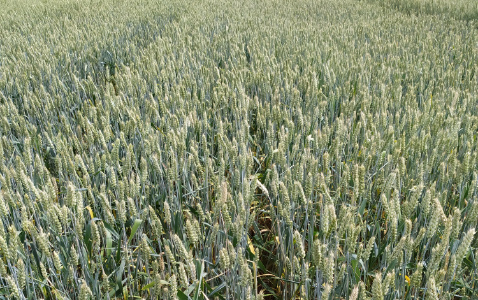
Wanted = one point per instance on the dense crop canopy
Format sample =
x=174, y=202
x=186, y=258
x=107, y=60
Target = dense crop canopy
x=238, y=149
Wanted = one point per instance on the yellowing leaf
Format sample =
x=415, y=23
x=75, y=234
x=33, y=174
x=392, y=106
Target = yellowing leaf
x=407, y=279
x=251, y=247
x=91, y=212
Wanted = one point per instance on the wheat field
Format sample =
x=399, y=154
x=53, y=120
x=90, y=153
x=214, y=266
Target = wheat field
x=227, y=150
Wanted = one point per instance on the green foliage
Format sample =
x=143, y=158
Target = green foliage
x=238, y=149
